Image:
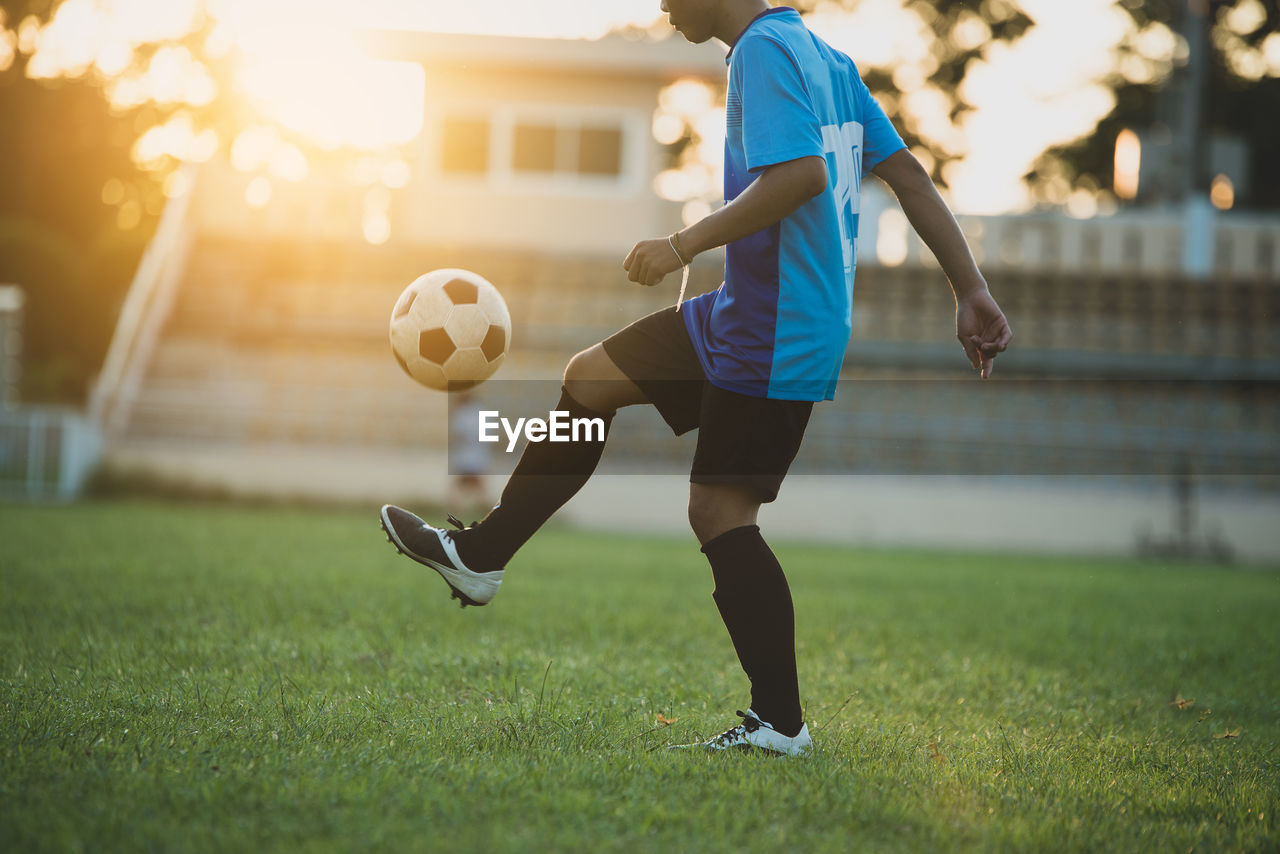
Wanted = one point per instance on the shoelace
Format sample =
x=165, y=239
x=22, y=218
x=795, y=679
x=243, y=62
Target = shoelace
x=735, y=734
x=457, y=523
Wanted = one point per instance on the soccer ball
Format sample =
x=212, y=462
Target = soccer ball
x=450, y=330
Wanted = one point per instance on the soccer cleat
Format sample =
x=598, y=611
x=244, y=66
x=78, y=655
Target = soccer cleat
x=434, y=547
x=754, y=734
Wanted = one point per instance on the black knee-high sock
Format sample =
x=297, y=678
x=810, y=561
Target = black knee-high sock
x=755, y=604
x=547, y=476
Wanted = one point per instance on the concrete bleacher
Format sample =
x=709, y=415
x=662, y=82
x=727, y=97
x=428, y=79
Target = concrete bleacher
x=271, y=374
x=286, y=343
x=259, y=347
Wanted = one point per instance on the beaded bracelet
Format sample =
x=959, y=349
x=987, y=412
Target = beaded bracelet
x=674, y=240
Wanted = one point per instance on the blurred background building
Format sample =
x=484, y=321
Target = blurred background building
x=1138, y=407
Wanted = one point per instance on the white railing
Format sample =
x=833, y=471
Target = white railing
x=1195, y=241
x=146, y=307
x=11, y=301
x=46, y=453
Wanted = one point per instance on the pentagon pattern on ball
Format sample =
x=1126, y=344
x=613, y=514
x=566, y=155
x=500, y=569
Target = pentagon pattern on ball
x=495, y=343
x=431, y=306
x=450, y=329
x=464, y=365
x=462, y=292
x=467, y=325
x=435, y=345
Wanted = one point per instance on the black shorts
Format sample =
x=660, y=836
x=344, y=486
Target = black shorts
x=742, y=440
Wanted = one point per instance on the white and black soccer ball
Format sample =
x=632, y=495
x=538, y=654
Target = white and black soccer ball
x=450, y=329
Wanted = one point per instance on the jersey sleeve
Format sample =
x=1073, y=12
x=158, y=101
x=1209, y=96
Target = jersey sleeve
x=778, y=120
x=879, y=138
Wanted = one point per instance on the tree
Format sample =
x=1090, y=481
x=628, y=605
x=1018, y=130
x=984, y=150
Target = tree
x=958, y=33
x=94, y=128
x=919, y=86
x=69, y=187
x=1151, y=80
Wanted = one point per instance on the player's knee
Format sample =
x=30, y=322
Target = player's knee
x=594, y=381
x=713, y=511
x=580, y=378
x=702, y=519
x=579, y=369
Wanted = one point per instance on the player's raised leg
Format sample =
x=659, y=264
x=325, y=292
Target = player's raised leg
x=472, y=559
x=549, y=474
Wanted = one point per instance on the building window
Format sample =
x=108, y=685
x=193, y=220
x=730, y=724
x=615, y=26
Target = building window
x=600, y=151
x=465, y=147
x=567, y=149
x=513, y=143
x=534, y=148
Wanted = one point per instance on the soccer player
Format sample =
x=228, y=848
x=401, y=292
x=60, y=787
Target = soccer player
x=743, y=364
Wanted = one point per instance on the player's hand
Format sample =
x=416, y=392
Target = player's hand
x=982, y=329
x=650, y=261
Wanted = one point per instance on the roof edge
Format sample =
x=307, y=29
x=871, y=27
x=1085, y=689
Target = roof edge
x=615, y=52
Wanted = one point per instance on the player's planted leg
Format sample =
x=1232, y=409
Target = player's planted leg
x=755, y=603
x=753, y=598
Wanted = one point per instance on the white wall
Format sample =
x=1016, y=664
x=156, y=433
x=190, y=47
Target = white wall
x=558, y=214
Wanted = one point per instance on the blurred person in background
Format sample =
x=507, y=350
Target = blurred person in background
x=469, y=458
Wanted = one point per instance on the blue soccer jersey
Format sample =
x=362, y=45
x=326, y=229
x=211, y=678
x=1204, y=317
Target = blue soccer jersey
x=779, y=325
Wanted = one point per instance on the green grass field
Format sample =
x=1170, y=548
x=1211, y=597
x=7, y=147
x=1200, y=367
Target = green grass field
x=194, y=677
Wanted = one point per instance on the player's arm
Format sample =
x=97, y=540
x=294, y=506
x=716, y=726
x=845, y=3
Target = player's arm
x=776, y=194
x=779, y=191
x=981, y=327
